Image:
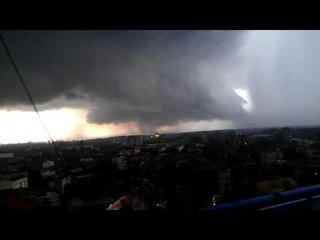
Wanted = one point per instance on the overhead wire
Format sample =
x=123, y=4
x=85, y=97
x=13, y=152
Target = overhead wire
x=25, y=87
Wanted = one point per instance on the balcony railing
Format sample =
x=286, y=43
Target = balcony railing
x=306, y=198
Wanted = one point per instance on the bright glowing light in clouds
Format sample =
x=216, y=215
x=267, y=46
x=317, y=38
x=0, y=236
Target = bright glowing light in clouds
x=71, y=123
x=244, y=94
x=65, y=123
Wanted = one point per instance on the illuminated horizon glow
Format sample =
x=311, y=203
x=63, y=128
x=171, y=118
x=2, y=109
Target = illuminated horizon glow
x=63, y=124
x=244, y=94
x=71, y=124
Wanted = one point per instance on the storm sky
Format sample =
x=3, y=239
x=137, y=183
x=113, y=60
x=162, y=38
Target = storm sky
x=129, y=82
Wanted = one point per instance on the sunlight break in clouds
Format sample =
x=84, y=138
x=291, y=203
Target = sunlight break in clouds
x=244, y=94
x=65, y=123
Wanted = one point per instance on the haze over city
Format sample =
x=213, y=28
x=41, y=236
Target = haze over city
x=90, y=84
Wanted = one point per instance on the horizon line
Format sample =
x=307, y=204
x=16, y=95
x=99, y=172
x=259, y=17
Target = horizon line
x=182, y=132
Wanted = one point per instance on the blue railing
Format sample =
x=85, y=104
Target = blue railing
x=305, y=198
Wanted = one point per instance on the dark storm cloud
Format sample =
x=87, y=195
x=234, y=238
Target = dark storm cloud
x=149, y=77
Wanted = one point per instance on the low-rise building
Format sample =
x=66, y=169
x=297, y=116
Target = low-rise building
x=13, y=181
x=65, y=181
x=302, y=142
x=180, y=148
x=276, y=185
x=48, y=172
x=135, y=140
x=86, y=159
x=48, y=199
x=122, y=163
x=6, y=155
x=204, y=138
x=48, y=164
x=127, y=152
x=271, y=155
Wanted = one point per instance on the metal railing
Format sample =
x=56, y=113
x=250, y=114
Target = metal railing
x=301, y=198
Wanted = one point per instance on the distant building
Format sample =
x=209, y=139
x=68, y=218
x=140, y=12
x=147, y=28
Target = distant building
x=302, y=142
x=204, y=138
x=51, y=184
x=64, y=182
x=13, y=181
x=137, y=150
x=122, y=163
x=5, y=159
x=189, y=138
x=48, y=164
x=135, y=140
x=6, y=155
x=163, y=149
x=87, y=159
x=47, y=172
x=127, y=151
x=180, y=148
x=261, y=138
x=77, y=170
x=285, y=134
x=276, y=185
x=272, y=155
x=309, y=153
x=51, y=199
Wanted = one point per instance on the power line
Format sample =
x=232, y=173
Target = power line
x=25, y=88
